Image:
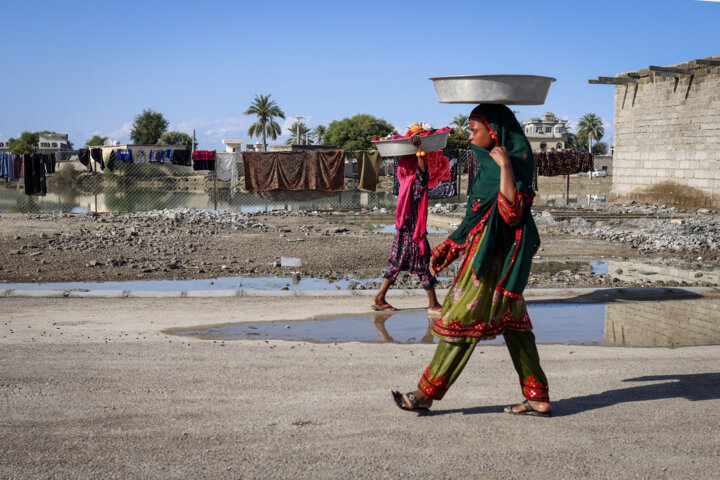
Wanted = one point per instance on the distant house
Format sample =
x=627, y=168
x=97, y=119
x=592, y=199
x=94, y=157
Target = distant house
x=546, y=133
x=48, y=143
x=53, y=142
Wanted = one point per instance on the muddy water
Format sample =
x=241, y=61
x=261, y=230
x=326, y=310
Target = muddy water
x=638, y=324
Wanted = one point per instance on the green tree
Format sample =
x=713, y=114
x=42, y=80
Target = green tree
x=266, y=111
x=459, y=140
x=590, y=126
x=96, y=141
x=600, y=148
x=356, y=133
x=460, y=124
x=148, y=128
x=572, y=142
x=26, y=144
x=319, y=134
x=176, y=138
x=298, y=133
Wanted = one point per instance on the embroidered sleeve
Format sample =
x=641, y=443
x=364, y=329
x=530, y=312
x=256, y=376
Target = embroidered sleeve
x=420, y=184
x=445, y=254
x=511, y=213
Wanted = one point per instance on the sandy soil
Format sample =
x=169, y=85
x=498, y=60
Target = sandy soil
x=93, y=388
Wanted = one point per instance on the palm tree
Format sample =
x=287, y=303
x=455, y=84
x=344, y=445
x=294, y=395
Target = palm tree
x=298, y=133
x=590, y=126
x=319, y=133
x=460, y=123
x=266, y=111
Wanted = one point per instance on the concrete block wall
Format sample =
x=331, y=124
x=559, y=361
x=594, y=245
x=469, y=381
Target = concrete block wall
x=667, y=138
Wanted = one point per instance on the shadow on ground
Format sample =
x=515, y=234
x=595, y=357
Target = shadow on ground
x=694, y=387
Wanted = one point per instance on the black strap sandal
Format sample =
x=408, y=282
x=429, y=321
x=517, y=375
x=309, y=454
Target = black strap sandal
x=529, y=410
x=408, y=399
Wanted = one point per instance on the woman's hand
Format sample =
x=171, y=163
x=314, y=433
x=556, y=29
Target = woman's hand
x=433, y=264
x=501, y=157
x=415, y=140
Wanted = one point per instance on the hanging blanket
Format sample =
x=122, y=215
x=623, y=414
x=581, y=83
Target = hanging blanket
x=567, y=162
x=319, y=170
x=369, y=163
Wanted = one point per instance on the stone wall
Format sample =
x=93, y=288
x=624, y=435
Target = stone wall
x=667, y=138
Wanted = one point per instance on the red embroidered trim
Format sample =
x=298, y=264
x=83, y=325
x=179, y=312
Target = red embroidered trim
x=534, y=389
x=508, y=293
x=480, y=330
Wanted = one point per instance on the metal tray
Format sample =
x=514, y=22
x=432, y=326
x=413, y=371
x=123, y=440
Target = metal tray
x=401, y=146
x=505, y=89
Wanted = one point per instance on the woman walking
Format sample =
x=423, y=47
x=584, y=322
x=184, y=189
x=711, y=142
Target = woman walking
x=410, y=249
x=498, y=237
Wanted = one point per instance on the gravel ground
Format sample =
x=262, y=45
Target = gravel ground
x=187, y=244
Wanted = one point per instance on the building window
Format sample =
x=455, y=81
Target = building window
x=45, y=144
x=543, y=145
x=54, y=144
x=548, y=129
x=538, y=130
x=559, y=145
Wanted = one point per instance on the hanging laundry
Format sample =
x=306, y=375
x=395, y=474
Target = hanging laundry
x=19, y=170
x=203, y=160
x=443, y=171
x=124, y=155
x=35, y=175
x=156, y=156
x=181, y=157
x=369, y=163
x=4, y=164
x=223, y=168
x=111, y=158
x=566, y=162
x=51, y=162
x=308, y=170
x=97, y=155
x=84, y=157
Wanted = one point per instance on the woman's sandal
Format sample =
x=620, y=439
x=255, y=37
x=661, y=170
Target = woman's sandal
x=409, y=399
x=529, y=410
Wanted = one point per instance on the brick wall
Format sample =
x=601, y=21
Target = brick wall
x=667, y=139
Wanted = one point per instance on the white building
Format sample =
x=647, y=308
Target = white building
x=546, y=133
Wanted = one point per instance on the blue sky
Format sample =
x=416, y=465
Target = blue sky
x=87, y=67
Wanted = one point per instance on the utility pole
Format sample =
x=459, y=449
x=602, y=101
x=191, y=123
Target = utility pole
x=297, y=128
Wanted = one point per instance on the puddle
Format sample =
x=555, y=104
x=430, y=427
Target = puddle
x=554, y=323
x=600, y=268
x=639, y=271
x=639, y=324
x=221, y=283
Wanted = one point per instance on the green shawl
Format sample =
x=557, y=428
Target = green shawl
x=482, y=206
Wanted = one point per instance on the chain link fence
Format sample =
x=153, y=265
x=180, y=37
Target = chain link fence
x=142, y=185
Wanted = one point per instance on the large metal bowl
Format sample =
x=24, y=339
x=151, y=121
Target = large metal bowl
x=401, y=146
x=505, y=89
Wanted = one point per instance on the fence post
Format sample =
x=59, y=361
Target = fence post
x=95, y=189
x=215, y=188
x=567, y=190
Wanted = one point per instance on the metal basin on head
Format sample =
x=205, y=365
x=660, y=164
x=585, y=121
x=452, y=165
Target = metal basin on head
x=504, y=89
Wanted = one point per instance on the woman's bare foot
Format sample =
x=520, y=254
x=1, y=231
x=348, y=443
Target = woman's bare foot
x=421, y=401
x=530, y=407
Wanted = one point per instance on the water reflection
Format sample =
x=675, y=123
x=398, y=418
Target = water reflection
x=639, y=324
x=664, y=271
x=121, y=195
x=663, y=324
